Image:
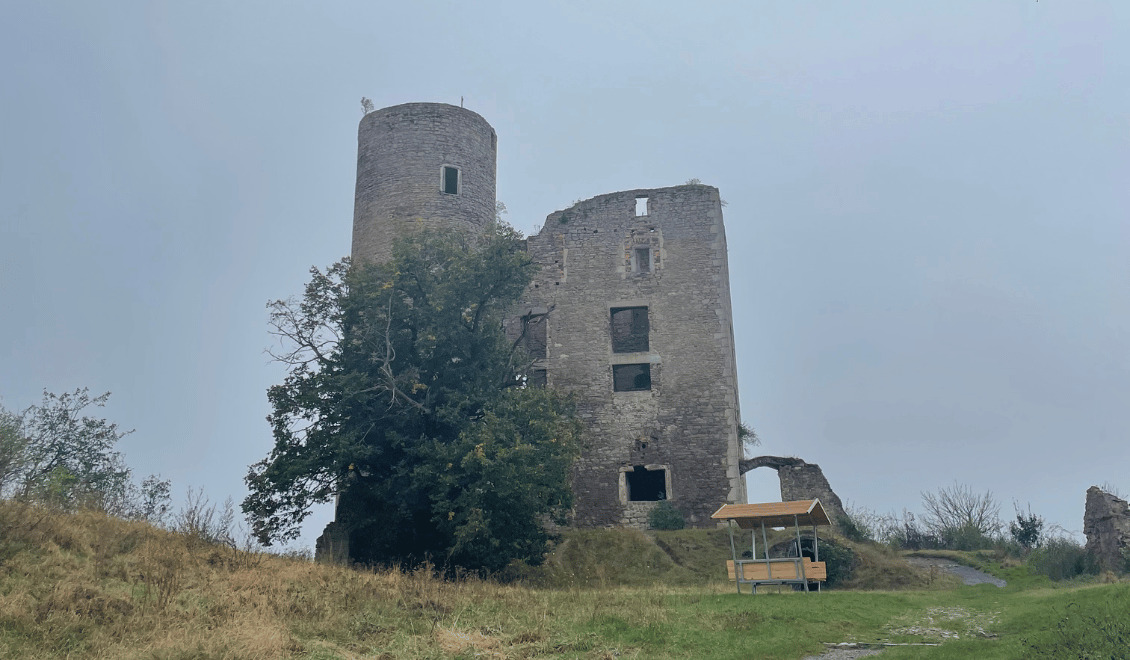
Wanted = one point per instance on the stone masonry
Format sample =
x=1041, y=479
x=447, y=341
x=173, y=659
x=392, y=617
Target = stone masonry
x=800, y=481
x=630, y=312
x=401, y=155
x=659, y=255
x=1106, y=523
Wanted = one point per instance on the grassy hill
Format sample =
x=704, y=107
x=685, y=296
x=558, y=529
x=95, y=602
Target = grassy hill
x=696, y=557
x=89, y=586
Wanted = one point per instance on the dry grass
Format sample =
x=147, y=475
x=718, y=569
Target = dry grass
x=87, y=585
x=881, y=568
x=91, y=586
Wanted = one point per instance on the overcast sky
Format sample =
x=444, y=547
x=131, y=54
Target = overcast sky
x=927, y=209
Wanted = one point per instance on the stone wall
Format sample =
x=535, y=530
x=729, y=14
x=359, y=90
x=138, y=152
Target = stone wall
x=800, y=481
x=674, y=436
x=401, y=151
x=601, y=255
x=1106, y=523
x=332, y=547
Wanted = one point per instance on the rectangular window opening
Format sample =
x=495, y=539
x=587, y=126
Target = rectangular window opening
x=641, y=206
x=631, y=377
x=534, y=337
x=450, y=183
x=630, y=330
x=536, y=378
x=643, y=260
x=646, y=485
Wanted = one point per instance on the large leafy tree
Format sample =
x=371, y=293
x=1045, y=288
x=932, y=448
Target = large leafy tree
x=405, y=398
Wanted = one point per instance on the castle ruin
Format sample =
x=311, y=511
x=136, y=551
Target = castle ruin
x=632, y=310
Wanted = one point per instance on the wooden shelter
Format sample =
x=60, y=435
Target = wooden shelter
x=782, y=570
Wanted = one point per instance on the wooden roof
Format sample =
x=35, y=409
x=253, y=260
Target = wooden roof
x=774, y=514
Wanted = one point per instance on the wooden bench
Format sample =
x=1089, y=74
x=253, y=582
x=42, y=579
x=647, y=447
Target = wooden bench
x=756, y=570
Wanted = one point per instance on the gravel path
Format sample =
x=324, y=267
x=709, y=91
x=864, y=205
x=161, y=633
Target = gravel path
x=843, y=654
x=968, y=575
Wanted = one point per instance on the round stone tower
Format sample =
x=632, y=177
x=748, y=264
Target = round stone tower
x=421, y=165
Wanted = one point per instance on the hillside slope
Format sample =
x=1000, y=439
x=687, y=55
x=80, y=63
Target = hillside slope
x=86, y=585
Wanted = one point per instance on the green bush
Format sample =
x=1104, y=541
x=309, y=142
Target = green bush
x=1061, y=559
x=665, y=516
x=1027, y=529
x=839, y=560
x=965, y=537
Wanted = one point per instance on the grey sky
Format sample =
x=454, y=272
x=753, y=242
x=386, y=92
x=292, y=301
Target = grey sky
x=927, y=209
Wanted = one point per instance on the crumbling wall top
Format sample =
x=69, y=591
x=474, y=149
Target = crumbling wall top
x=626, y=206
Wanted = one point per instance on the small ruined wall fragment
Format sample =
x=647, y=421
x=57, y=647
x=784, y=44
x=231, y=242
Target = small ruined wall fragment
x=332, y=547
x=1106, y=523
x=800, y=481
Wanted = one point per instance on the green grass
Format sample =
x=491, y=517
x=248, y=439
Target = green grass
x=91, y=586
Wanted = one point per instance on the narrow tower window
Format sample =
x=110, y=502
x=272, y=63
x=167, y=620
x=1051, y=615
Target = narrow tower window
x=534, y=337
x=641, y=206
x=642, y=258
x=449, y=182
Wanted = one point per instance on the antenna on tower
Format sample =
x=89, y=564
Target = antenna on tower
x=460, y=101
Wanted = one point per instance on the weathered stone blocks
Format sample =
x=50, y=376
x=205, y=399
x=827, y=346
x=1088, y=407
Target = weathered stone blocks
x=800, y=481
x=661, y=252
x=401, y=153
x=1106, y=524
x=602, y=255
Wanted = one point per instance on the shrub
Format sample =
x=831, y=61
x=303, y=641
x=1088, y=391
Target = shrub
x=855, y=526
x=960, y=513
x=839, y=560
x=1061, y=559
x=666, y=517
x=1026, y=529
x=198, y=520
x=965, y=537
x=905, y=533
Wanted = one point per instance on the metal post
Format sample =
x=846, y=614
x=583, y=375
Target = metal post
x=799, y=553
x=734, y=555
x=765, y=542
x=816, y=550
x=753, y=555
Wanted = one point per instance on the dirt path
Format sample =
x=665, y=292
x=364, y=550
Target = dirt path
x=967, y=574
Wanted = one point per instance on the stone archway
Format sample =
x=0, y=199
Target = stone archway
x=799, y=481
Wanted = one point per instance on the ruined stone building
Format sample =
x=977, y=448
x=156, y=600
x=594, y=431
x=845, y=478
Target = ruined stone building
x=631, y=309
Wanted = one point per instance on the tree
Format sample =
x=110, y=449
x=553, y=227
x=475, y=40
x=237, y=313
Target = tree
x=13, y=446
x=67, y=457
x=58, y=454
x=405, y=398
x=960, y=518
